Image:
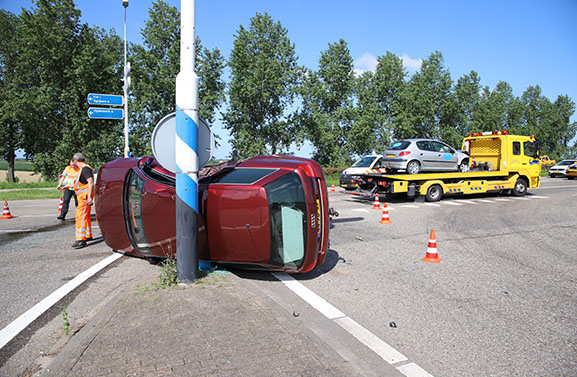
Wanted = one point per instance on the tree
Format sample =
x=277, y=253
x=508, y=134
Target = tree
x=154, y=69
x=327, y=110
x=427, y=102
x=467, y=95
x=262, y=87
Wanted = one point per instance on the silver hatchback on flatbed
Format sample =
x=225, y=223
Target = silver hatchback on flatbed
x=416, y=155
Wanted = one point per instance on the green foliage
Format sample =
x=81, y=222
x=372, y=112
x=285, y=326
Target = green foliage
x=154, y=69
x=66, y=320
x=168, y=273
x=28, y=194
x=264, y=75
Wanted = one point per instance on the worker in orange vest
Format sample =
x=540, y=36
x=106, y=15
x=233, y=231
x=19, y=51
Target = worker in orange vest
x=66, y=186
x=84, y=188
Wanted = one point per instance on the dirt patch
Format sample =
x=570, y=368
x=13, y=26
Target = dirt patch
x=23, y=176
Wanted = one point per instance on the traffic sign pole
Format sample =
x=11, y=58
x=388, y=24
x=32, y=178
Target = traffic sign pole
x=186, y=147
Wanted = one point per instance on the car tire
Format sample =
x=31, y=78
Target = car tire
x=413, y=167
x=464, y=166
x=571, y=178
x=434, y=193
x=520, y=187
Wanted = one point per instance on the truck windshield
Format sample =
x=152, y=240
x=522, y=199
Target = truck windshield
x=288, y=226
x=364, y=162
x=530, y=149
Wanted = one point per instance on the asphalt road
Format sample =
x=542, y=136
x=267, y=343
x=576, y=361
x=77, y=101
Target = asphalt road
x=502, y=302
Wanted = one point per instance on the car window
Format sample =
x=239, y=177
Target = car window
x=378, y=164
x=530, y=149
x=364, y=162
x=288, y=220
x=424, y=145
x=132, y=211
x=244, y=176
x=399, y=145
x=566, y=162
x=440, y=147
x=516, y=148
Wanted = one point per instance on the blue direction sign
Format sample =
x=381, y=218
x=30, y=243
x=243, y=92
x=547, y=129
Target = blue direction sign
x=104, y=113
x=105, y=99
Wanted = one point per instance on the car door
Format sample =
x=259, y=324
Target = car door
x=445, y=158
x=427, y=155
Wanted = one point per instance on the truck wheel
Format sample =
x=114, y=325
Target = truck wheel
x=391, y=170
x=434, y=193
x=520, y=187
x=413, y=167
x=464, y=166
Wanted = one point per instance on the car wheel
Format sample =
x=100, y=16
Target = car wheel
x=434, y=193
x=464, y=166
x=571, y=178
x=520, y=187
x=413, y=167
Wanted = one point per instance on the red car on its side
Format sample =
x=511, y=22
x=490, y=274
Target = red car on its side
x=267, y=212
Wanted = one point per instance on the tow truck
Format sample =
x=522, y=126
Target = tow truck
x=499, y=162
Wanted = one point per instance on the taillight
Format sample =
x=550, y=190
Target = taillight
x=404, y=153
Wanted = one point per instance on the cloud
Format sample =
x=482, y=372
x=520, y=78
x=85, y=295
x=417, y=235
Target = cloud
x=368, y=63
x=365, y=63
x=412, y=65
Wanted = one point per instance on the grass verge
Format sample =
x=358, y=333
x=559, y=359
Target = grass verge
x=28, y=194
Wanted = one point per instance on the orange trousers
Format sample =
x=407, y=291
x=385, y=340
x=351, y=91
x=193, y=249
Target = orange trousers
x=83, y=219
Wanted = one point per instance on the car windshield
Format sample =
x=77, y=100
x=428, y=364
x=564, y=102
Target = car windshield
x=399, y=146
x=566, y=162
x=288, y=226
x=364, y=162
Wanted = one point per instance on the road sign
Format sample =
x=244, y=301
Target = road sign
x=105, y=99
x=104, y=113
x=163, y=141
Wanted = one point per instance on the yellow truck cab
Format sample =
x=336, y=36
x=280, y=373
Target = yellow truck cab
x=498, y=162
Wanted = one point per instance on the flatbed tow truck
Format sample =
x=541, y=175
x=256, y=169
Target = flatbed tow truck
x=499, y=163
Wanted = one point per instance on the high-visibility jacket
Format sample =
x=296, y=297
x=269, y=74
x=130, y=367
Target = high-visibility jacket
x=68, y=177
x=80, y=187
x=83, y=220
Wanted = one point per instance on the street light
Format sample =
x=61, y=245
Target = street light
x=125, y=86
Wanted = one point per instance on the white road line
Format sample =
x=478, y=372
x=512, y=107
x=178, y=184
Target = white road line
x=451, y=203
x=409, y=206
x=15, y=327
x=502, y=200
x=377, y=345
x=520, y=198
x=485, y=201
x=539, y=197
x=432, y=204
x=55, y=215
x=467, y=201
x=360, y=210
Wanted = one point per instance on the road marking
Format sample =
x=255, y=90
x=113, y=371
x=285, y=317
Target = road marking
x=432, y=204
x=539, y=197
x=451, y=203
x=484, y=201
x=15, y=327
x=409, y=206
x=503, y=200
x=36, y=216
x=467, y=201
x=370, y=340
x=360, y=210
x=521, y=198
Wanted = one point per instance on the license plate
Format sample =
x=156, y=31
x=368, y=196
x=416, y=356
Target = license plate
x=390, y=155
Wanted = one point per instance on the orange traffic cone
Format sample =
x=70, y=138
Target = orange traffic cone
x=333, y=187
x=59, y=207
x=377, y=203
x=6, y=213
x=385, y=218
x=432, y=255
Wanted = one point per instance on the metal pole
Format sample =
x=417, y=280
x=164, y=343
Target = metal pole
x=125, y=87
x=186, y=149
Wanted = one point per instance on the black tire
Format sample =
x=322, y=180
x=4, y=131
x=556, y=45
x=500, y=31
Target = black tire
x=434, y=193
x=413, y=167
x=520, y=187
x=464, y=166
x=571, y=178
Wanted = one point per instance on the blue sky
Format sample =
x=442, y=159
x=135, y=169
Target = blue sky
x=524, y=43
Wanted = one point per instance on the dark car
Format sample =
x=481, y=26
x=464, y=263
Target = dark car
x=267, y=212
